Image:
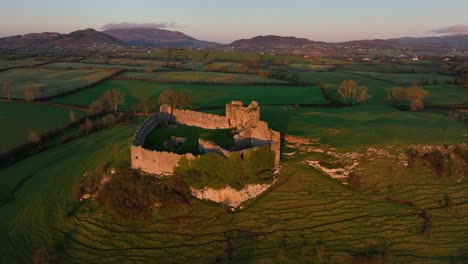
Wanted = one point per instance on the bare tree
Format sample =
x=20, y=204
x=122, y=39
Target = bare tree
x=30, y=91
x=146, y=105
x=347, y=89
x=361, y=95
x=87, y=126
x=111, y=100
x=413, y=96
x=174, y=98
x=395, y=94
x=34, y=137
x=7, y=89
x=72, y=116
x=416, y=95
x=96, y=107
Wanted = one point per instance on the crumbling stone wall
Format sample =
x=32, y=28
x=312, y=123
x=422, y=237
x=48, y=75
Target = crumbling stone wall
x=246, y=120
x=243, y=118
x=149, y=125
x=156, y=162
x=198, y=119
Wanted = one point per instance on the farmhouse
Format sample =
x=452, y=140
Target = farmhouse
x=251, y=132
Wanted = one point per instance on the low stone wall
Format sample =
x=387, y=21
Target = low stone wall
x=156, y=162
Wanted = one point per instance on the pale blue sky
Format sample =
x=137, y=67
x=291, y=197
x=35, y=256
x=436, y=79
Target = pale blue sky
x=224, y=21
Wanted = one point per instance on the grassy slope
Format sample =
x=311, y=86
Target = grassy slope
x=199, y=94
x=304, y=212
x=20, y=119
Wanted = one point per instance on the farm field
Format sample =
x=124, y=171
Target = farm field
x=304, y=213
x=6, y=64
x=25, y=118
x=201, y=95
x=407, y=67
x=200, y=77
x=307, y=216
x=52, y=82
x=80, y=65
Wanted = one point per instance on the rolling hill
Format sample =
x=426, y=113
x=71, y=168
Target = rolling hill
x=80, y=39
x=271, y=42
x=152, y=37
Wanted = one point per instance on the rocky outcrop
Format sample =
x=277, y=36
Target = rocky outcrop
x=445, y=161
x=229, y=196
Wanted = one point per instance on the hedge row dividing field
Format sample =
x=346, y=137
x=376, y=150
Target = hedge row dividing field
x=197, y=77
x=7, y=64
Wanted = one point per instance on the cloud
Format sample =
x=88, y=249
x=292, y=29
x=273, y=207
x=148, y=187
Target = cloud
x=457, y=29
x=125, y=25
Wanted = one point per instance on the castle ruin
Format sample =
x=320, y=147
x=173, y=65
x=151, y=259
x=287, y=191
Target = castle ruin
x=251, y=131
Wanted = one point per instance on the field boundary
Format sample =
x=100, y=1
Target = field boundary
x=217, y=83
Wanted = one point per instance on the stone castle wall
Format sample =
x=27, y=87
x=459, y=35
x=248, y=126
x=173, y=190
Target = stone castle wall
x=156, y=162
x=198, y=119
x=245, y=119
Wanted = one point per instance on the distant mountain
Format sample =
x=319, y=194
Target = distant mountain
x=449, y=41
x=152, y=37
x=81, y=39
x=271, y=42
x=373, y=43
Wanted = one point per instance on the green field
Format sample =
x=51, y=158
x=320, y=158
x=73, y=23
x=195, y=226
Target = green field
x=305, y=217
x=407, y=67
x=200, y=77
x=200, y=94
x=25, y=118
x=52, y=82
x=75, y=65
x=6, y=64
x=312, y=67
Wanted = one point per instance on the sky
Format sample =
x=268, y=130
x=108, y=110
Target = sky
x=224, y=21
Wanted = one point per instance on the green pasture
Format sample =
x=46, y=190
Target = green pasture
x=305, y=217
x=408, y=67
x=201, y=95
x=21, y=119
x=51, y=82
x=83, y=65
x=312, y=67
x=202, y=55
x=6, y=64
x=200, y=77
